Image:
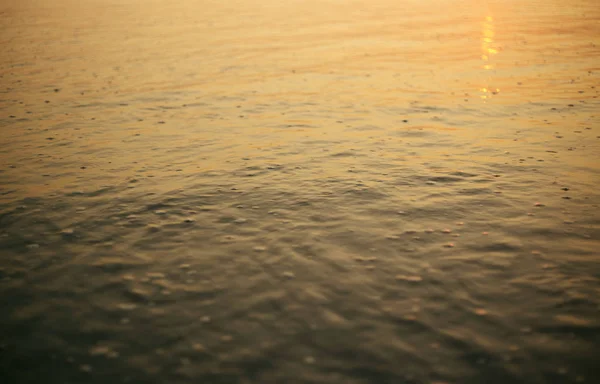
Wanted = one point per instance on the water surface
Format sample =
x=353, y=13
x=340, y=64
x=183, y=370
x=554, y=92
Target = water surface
x=313, y=191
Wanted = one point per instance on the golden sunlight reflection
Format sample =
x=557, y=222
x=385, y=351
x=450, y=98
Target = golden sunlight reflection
x=488, y=52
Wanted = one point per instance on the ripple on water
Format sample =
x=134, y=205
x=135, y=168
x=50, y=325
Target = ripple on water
x=314, y=214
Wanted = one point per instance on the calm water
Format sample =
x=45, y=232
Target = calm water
x=300, y=191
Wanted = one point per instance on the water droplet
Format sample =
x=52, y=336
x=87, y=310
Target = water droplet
x=103, y=350
x=85, y=368
x=198, y=347
x=289, y=275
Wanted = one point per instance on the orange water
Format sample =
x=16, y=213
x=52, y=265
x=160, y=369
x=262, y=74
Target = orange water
x=312, y=191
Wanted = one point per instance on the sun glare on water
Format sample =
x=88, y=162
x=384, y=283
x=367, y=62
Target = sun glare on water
x=488, y=51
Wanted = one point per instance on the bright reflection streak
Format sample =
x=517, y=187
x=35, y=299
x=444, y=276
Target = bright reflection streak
x=488, y=51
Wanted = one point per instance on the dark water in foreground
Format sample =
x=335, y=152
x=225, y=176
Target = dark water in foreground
x=300, y=192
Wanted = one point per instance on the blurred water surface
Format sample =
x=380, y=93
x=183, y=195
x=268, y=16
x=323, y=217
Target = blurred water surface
x=313, y=191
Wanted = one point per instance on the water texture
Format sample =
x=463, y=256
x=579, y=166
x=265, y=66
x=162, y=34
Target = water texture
x=313, y=191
